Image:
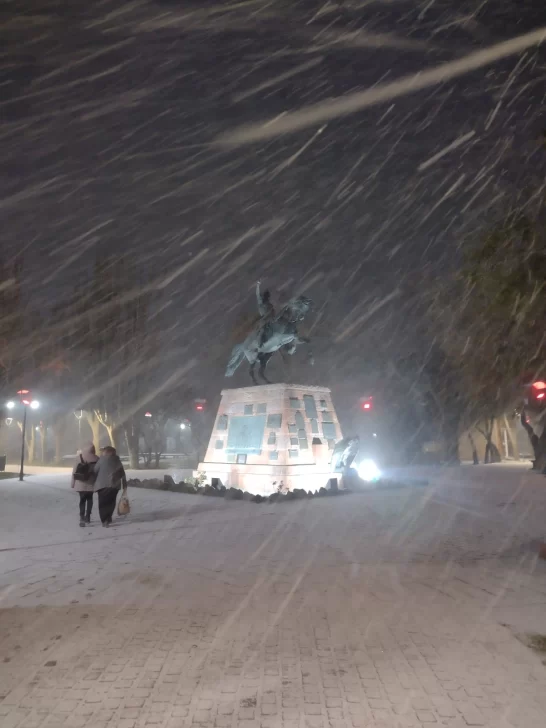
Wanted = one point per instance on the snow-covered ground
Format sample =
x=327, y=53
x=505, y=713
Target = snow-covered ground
x=385, y=608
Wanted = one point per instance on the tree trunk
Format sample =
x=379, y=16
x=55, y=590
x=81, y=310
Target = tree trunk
x=487, y=453
x=450, y=435
x=94, y=424
x=541, y=453
x=59, y=428
x=132, y=437
x=43, y=443
x=492, y=454
x=539, y=449
x=114, y=435
x=134, y=459
x=475, y=458
x=148, y=452
x=31, y=443
x=513, y=443
x=159, y=444
x=58, y=446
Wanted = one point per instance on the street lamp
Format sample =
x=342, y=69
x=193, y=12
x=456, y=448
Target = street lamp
x=26, y=401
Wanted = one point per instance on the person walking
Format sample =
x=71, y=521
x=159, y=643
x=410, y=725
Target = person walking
x=83, y=481
x=110, y=478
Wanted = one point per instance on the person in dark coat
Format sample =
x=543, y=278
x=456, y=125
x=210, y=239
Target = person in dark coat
x=83, y=481
x=110, y=478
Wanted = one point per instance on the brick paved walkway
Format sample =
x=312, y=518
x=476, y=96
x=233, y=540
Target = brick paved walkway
x=383, y=609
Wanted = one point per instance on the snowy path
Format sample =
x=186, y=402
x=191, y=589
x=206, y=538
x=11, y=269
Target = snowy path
x=377, y=609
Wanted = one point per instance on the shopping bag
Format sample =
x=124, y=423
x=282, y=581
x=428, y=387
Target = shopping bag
x=123, y=506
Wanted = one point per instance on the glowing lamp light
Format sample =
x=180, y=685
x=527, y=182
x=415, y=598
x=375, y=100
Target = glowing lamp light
x=182, y=425
x=541, y=395
x=10, y=405
x=199, y=407
x=34, y=404
x=539, y=385
x=147, y=414
x=368, y=471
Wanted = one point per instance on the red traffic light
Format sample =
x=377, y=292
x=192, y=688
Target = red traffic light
x=199, y=407
x=367, y=404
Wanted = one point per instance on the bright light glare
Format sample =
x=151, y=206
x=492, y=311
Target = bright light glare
x=10, y=405
x=34, y=404
x=182, y=426
x=368, y=471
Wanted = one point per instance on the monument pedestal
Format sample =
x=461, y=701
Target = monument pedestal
x=271, y=437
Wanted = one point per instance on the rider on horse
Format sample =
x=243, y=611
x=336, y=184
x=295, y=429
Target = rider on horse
x=266, y=310
x=272, y=332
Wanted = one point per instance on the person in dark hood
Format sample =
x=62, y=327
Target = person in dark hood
x=110, y=478
x=83, y=481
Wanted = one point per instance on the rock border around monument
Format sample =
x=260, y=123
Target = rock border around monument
x=168, y=484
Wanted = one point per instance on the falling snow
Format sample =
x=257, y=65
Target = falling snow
x=157, y=158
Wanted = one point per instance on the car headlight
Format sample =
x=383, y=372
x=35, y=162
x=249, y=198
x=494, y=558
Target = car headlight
x=368, y=471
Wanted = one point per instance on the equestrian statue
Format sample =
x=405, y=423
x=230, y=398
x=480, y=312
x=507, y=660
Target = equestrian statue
x=273, y=332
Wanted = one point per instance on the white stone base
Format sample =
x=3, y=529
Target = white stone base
x=300, y=440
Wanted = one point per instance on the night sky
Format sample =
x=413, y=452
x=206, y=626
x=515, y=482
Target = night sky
x=112, y=117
